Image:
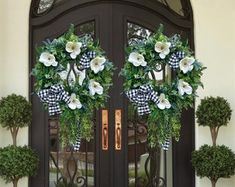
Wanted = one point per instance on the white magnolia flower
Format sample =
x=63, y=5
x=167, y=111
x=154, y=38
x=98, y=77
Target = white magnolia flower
x=74, y=48
x=137, y=59
x=186, y=64
x=184, y=87
x=95, y=87
x=72, y=75
x=163, y=102
x=48, y=59
x=74, y=102
x=163, y=48
x=97, y=64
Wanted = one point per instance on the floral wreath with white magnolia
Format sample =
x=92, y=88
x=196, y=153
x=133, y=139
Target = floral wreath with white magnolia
x=72, y=78
x=161, y=101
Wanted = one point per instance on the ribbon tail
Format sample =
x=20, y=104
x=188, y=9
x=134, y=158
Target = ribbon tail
x=143, y=109
x=165, y=146
x=77, y=144
x=54, y=109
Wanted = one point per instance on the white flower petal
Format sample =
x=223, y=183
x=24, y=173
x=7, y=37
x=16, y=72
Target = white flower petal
x=99, y=90
x=48, y=59
x=158, y=47
x=184, y=87
x=144, y=63
x=73, y=55
x=162, y=55
x=186, y=64
x=55, y=63
x=72, y=106
x=97, y=64
x=69, y=46
x=74, y=48
x=74, y=102
x=137, y=59
x=161, y=106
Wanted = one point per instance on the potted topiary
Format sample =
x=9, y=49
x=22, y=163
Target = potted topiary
x=17, y=162
x=213, y=112
x=15, y=113
x=214, y=162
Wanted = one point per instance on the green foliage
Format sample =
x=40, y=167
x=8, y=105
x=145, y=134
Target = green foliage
x=214, y=162
x=48, y=76
x=165, y=123
x=17, y=162
x=213, y=112
x=15, y=111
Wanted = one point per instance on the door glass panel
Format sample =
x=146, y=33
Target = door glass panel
x=175, y=5
x=138, y=153
x=69, y=168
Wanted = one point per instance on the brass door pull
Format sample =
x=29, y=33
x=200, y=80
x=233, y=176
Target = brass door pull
x=118, y=129
x=105, y=137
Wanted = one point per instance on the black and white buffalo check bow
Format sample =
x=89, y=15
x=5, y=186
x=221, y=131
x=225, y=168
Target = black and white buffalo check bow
x=141, y=96
x=175, y=59
x=52, y=97
x=86, y=58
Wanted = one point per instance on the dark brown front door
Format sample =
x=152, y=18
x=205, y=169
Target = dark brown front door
x=115, y=24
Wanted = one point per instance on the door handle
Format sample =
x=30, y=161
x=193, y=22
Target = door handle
x=105, y=130
x=118, y=129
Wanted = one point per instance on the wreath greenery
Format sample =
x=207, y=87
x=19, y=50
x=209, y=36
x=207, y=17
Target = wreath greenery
x=78, y=68
x=163, y=101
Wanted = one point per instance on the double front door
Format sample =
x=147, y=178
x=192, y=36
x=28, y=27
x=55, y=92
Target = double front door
x=117, y=155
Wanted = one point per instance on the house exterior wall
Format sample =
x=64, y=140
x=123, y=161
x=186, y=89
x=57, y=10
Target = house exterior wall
x=214, y=42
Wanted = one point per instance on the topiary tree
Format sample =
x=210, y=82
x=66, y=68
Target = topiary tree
x=17, y=162
x=214, y=162
x=213, y=112
x=15, y=113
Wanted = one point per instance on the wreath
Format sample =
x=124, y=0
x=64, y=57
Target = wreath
x=72, y=79
x=162, y=101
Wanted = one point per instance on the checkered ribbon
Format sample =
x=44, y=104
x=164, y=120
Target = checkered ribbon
x=165, y=146
x=52, y=97
x=76, y=146
x=141, y=96
x=175, y=59
x=86, y=58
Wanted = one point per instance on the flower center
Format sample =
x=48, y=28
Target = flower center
x=95, y=85
x=73, y=47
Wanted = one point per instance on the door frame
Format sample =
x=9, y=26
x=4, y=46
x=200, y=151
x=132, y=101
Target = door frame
x=40, y=143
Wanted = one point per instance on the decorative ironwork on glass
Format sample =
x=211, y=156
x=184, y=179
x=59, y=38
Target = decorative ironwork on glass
x=46, y=5
x=69, y=168
x=136, y=33
x=175, y=5
x=87, y=28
